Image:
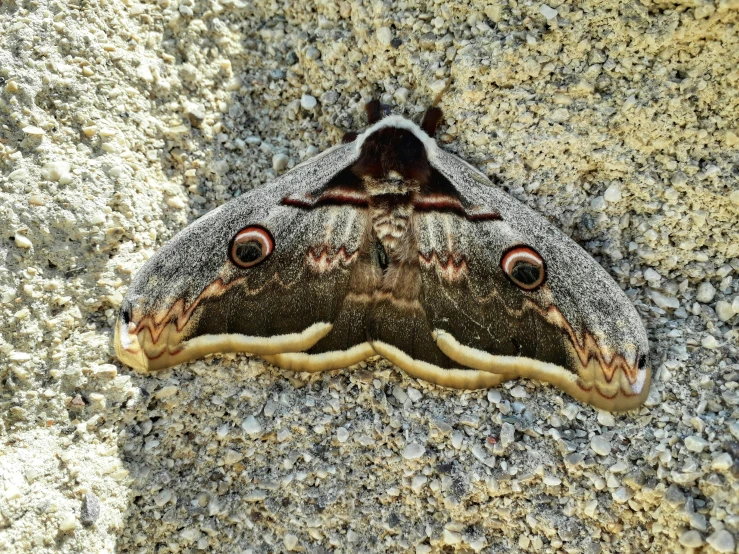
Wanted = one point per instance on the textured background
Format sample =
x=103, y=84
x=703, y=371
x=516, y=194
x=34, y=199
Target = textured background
x=121, y=121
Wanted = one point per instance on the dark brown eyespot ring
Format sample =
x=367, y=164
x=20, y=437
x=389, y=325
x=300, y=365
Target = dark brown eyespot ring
x=524, y=267
x=251, y=246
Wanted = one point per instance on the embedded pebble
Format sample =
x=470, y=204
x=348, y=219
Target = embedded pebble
x=251, y=426
x=710, y=342
x=612, y=194
x=551, y=480
x=691, y=539
x=437, y=87
x=606, y=418
x=18, y=174
x=67, y=523
x=457, y=438
x=279, y=162
x=663, y=301
x=34, y=131
x=507, y=434
x=418, y=482
x=312, y=53
x=176, y=202
x=695, y=443
x=290, y=541
x=401, y=95
x=600, y=445
x=721, y=541
x=22, y=242
x=54, y=171
x=385, y=36
x=706, y=292
x=547, y=12
x=308, y=102
x=413, y=451
x=722, y=462
x=342, y=435
x=724, y=310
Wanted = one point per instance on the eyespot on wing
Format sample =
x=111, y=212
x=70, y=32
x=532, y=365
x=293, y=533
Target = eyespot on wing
x=524, y=267
x=251, y=246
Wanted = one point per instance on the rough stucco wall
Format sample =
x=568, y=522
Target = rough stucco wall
x=121, y=121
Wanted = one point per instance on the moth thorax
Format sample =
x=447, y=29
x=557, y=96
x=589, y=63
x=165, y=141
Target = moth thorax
x=391, y=225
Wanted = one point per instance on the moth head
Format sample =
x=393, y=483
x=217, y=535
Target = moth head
x=524, y=267
x=393, y=156
x=251, y=246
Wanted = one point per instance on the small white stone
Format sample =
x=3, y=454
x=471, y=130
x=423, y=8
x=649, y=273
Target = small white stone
x=67, y=523
x=590, y=508
x=706, y=292
x=166, y=392
x=176, y=202
x=251, y=426
x=12, y=492
x=452, y=537
x=606, y=419
x=291, y=541
x=621, y=495
x=559, y=115
x=34, y=131
x=308, y=102
x=423, y=549
x=722, y=462
x=546, y=11
x=619, y=467
x=53, y=171
x=721, y=541
x=694, y=443
x=457, y=438
x=600, y=446
x=724, y=310
x=551, y=480
x=663, y=301
x=401, y=95
x=414, y=394
x=97, y=218
x=413, y=451
x=144, y=73
x=598, y=204
x=437, y=87
x=385, y=36
x=279, y=162
x=691, y=539
x=734, y=197
x=651, y=275
x=418, y=482
x=342, y=435
x=18, y=174
x=507, y=434
x=22, y=242
x=735, y=305
x=709, y=342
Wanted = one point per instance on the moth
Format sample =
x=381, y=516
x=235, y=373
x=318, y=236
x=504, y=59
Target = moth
x=386, y=244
